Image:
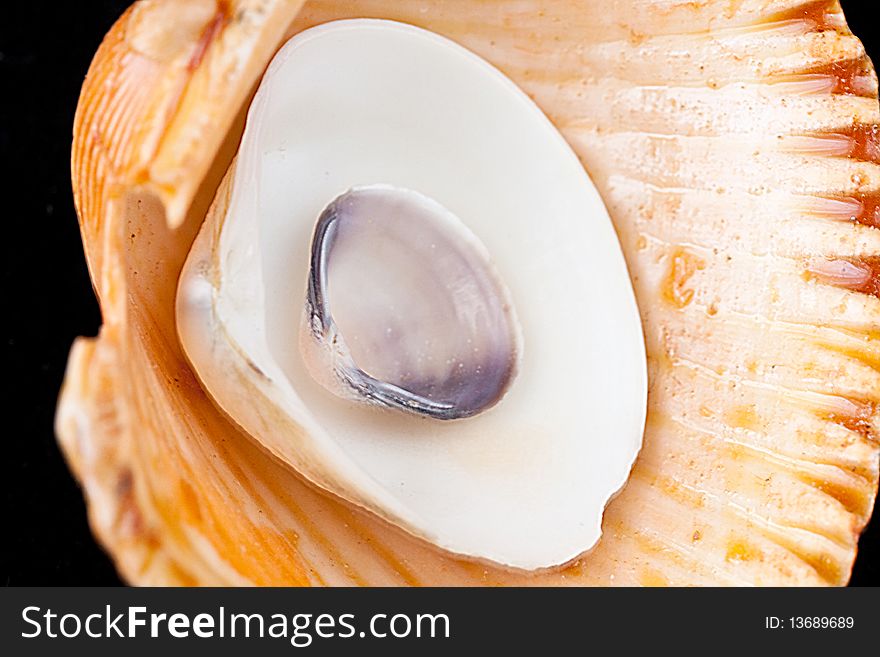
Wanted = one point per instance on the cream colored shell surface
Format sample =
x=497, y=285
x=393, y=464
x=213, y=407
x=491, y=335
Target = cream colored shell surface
x=735, y=144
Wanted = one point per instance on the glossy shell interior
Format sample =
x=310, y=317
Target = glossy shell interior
x=736, y=146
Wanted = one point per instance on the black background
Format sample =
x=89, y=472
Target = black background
x=45, y=50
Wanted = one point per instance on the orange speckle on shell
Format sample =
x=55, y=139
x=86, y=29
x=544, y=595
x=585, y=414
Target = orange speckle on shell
x=652, y=578
x=738, y=550
x=682, y=266
x=743, y=417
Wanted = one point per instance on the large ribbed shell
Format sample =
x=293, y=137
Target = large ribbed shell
x=735, y=145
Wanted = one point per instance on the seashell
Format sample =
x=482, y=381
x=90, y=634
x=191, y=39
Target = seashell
x=735, y=146
x=409, y=307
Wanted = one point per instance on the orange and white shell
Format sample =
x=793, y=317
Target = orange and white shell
x=736, y=146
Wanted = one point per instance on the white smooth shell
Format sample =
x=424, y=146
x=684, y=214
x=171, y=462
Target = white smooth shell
x=364, y=102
